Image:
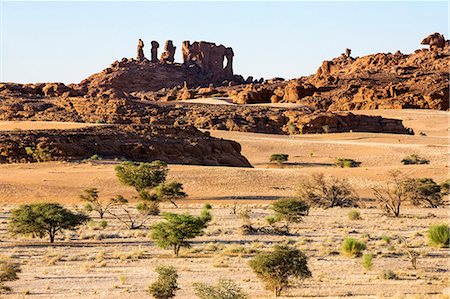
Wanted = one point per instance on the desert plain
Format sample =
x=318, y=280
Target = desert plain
x=115, y=262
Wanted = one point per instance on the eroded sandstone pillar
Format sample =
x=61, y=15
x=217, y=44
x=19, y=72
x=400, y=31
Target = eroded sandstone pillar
x=155, y=46
x=169, y=52
x=140, y=51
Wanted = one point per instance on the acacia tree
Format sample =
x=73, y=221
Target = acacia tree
x=278, y=267
x=289, y=210
x=324, y=192
x=177, y=229
x=396, y=192
x=133, y=218
x=93, y=203
x=170, y=192
x=142, y=176
x=424, y=191
x=43, y=219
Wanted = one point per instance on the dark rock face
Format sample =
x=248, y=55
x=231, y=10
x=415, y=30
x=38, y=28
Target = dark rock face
x=180, y=145
x=435, y=40
x=140, y=51
x=169, y=52
x=217, y=117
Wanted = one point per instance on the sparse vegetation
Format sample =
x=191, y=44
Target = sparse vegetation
x=224, y=289
x=320, y=191
x=41, y=219
x=177, y=229
x=93, y=203
x=367, y=261
x=346, y=163
x=425, y=192
x=288, y=210
x=133, y=218
x=166, y=284
x=414, y=159
x=278, y=267
x=8, y=272
x=170, y=191
x=353, y=247
x=142, y=176
x=394, y=194
x=438, y=235
x=388, y=274
x=354, y=215
x=279, y=158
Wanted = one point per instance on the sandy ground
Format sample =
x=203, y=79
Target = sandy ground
x=308, y=154
x=40, y=125
x=119, y=263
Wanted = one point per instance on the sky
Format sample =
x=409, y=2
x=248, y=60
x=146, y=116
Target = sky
x=69, y=41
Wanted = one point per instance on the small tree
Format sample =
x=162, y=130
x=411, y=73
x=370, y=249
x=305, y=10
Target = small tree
x=90, y=196
x=142, y=176
x=290, y=210
x=177, y=229
x=278, y=267
x=43, y=219
x=424, y=192
x=133, y=218
x=170, y=192
x=394, y=194
x=279, y=158
x=325, y=192
x=165, y=285
x=8, y=272
x=224, y=289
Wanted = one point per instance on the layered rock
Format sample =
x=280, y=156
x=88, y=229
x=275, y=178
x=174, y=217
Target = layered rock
x=180, y=145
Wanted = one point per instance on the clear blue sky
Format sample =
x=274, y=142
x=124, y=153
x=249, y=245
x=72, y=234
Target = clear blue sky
x=68, y=41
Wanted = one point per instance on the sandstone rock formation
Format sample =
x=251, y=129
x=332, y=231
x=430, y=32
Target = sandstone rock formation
x=435, y=40
x=154, y=51
x=140, y=51
x=209, y=58
x=169, y=53
x=181, y=145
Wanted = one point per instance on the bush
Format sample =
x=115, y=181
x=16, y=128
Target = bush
x=327, y=192
x=102, y=224
x=354, y=215
x=396, y=192
x=353, y=247
x=388, y=274
x=279, y=158
x=445, y=187
x=346, y=163
x=177, y=229
x=414, y=159
x=93, y=203
x=424, y=192
x=290, y=210
x=278, y=267
x=43, y=219
x=224, y=289
x=165, y=285
x=386, y=239
x=367, y=261
x=142, y=176
x=170, y=191
x=439, y=235
x=8, y=272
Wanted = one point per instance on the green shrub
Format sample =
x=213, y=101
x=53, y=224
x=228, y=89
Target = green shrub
x=414, y=159
x=353, y=247
x=354, y=215
x=279, y=158
x=278, y=267
x=8, y=272
x=165, y=285
x=102, y=224
x=367, y=261
x=388, y=274
x=346, y=163
x=224, y=289
x=290, y=210
x=439, y=235
x=445, y=187
x=386, y=239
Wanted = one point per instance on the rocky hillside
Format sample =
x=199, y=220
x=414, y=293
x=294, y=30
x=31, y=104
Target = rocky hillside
x=181, y=145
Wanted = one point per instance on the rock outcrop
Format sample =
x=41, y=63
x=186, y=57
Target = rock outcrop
x=179, y=145
x=168, y=56
x=435, y=40
x=140, y=51
x=154, y=51
x=209, y=57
